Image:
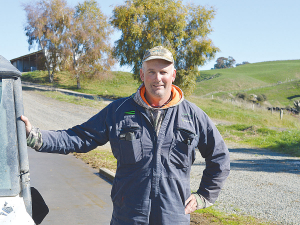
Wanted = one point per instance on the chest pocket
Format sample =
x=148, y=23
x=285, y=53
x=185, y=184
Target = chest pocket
x=182, y=153
x=130, y=145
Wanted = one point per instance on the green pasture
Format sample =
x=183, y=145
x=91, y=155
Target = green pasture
x=113, y=84
x=279, y=80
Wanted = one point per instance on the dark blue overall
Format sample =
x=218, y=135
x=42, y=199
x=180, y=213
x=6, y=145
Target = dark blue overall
x=152, y=179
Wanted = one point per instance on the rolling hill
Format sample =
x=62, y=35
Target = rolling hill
x=278, y=80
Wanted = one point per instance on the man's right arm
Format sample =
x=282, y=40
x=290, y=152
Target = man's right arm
x=81, y=138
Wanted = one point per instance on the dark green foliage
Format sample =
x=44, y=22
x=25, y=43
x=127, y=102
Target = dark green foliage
x=243, y=95
x=260, y=98
x=240, y=127
x=204, y=76
x=186, y=79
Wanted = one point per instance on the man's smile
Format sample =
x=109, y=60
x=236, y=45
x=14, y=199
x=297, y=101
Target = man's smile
x=158, y=85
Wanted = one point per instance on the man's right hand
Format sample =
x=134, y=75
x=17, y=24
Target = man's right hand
x=27, y=124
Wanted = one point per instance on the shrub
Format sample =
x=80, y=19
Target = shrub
x=260, y=98
x=243, y=96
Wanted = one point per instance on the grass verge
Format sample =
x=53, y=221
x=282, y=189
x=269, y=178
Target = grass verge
x=283, y=141
x=100, y=157
x=210, y=216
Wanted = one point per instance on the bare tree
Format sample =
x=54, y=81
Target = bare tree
x=87, y=42
x=46, y=25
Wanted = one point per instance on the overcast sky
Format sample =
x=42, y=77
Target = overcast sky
x=253, y=31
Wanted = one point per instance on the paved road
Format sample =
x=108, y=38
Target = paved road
x=73, y=191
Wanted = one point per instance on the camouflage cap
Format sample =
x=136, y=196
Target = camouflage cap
x=158, y=52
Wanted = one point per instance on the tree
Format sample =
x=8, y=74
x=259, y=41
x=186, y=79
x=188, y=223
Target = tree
x=74, y=39
x=260, y=98
x=242, y=95
x=223, y=62
x=183, y=29
x=45, y=26
x=87, y=42
x=243, y=63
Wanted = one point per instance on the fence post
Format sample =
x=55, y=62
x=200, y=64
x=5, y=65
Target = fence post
x=281, y=113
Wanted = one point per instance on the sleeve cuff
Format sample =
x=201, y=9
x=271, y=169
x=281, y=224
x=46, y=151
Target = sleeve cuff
x=201, y=201
x=34, y=139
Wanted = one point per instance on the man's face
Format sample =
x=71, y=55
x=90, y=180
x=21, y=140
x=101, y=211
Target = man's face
x=158, y=76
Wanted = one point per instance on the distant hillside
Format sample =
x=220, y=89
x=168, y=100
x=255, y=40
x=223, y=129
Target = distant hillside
x=279, y=80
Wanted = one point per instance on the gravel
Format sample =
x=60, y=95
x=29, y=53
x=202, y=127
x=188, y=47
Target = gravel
x=50, y=114
x=262, y=183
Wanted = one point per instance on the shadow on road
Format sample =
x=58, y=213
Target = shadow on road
x=261, y=160
x=265, y=160
x=104, y=178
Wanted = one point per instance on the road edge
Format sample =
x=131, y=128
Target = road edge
x=107, y=174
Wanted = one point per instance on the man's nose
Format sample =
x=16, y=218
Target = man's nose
x=158, y=77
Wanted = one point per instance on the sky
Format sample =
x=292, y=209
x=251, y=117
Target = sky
x=253, y=31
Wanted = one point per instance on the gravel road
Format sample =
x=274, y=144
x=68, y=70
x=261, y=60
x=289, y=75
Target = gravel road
x=262, y=183
x=49, y=114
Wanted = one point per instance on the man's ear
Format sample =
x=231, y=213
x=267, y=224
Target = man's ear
x=142, y=75
x=174, y=75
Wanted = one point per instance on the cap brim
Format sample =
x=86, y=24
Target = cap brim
x=158, y=57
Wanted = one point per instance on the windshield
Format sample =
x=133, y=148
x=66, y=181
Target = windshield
x=9, y=164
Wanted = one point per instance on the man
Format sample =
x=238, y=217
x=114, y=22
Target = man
x=153, y=135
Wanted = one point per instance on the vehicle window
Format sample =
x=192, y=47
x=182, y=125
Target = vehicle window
x=9, y=164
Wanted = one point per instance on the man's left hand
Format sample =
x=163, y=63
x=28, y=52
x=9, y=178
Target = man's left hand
x=190, y=204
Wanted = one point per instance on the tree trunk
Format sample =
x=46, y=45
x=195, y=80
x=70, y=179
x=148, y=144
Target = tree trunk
x=49, y=75
x=52, y=76
x=76, y=71
x=78, y=82
x=48, y=67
